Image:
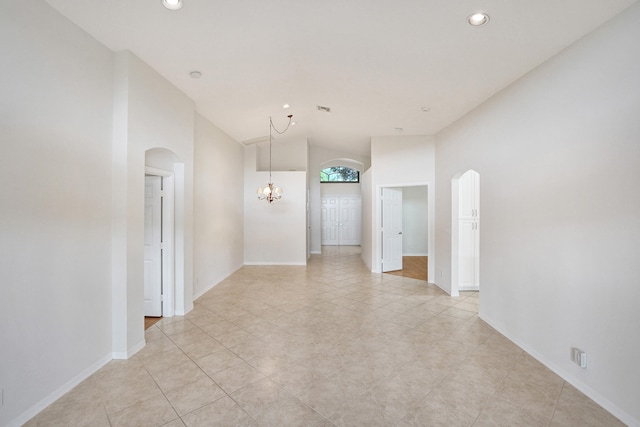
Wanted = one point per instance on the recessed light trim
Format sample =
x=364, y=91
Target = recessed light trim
x=195, y=74
x=477, y=19
x=285, y=106
x=173, y=4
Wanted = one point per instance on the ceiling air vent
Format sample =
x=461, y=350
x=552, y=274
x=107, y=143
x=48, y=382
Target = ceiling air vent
x=325, y=109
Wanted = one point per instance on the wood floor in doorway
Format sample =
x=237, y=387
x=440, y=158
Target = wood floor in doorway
x=150, y=321
x=414, y=267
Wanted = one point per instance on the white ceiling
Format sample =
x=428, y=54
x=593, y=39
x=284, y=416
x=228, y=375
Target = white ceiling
x=375, y=63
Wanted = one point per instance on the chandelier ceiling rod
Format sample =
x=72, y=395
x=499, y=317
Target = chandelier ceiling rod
x=271, y=193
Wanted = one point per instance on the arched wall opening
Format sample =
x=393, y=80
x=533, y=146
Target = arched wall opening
x=340, y=207
x=166, y=164
x=465, y=231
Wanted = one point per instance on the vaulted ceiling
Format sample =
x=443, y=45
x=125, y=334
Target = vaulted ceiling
x=408, y=67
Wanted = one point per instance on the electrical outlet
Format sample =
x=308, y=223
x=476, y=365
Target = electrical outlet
x=579, y=357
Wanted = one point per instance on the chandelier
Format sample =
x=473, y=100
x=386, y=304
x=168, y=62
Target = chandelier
x=270, y=192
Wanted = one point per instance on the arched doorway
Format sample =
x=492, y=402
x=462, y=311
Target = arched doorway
x=465, y=232
x=163, y=232
x=335, y=216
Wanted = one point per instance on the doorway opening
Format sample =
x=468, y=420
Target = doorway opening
x=405, y=231
x=164, y=166
x=159, y=249
x=465, y=232
x=338, y=216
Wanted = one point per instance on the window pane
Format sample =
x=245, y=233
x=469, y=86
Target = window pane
x=339, y=174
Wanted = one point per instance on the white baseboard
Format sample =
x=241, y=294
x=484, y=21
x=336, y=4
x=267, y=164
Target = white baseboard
x=57, y=394
x=208, y=288
x=119, y=355
x=276, y=263
x=315, y=253
x=416, y=254
x=585, y=389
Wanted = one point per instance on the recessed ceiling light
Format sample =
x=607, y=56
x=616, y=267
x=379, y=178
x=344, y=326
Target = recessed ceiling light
x=478, y=18
x=426, y=109
x=399, y=129
x=285, y=106
x=172, y=4
x=195, y=74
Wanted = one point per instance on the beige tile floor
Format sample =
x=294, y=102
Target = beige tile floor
x=330, y=344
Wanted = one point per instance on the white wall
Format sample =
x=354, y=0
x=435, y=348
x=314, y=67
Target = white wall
x=274, y=233
x=286, y=155
x=400, y=161
x=55, y=222
x=150, y=113
x=415, y=215
x=327, y=189
x=218, y=206
x=366, y=241
x=558, y=153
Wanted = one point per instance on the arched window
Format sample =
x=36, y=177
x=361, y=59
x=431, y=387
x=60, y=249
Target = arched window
x=336, y=174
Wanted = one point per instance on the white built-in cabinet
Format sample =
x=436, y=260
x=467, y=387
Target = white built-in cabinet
x=469, y=231
x=341, y=220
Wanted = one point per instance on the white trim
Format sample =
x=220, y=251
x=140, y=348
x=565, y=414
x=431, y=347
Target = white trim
x=168, y=265
x=274, y=263
x=187, y=309
x=204, y=291
x=565, y=375
x=316, y=253
x=155, y=171
x=416, y=254
x=130, y=352
x=58, y=393
x=454, y=235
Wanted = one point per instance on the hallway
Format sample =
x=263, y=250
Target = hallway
x=322, y=345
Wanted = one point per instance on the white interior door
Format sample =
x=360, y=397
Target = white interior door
x=153, y=246
x=349, y=220
x=341, y=220
x=329, y=221
x=391, y=229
